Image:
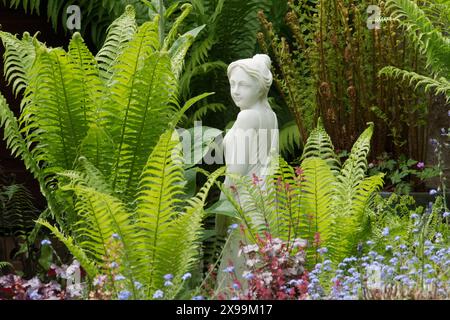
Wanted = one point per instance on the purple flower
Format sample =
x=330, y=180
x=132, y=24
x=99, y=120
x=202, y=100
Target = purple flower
x=119, y=277
x=124, y=295
x=293, y=282
x=247, y=275
x=235, y=286
x=186, y=276
x=393, y=261
x=168, y=277
x=138, y=285
x=113, y=265
x=385, y=232
x=46, y=242
x=34, y=295
x=446, y=214
x=168, y=283
x=99, y=280
x=158, y=294
x=414, y=216
x=420, y=165
x=198, y=298
x=229, y=269
x=234, y=226
x=433, y=192
x=322, y=250
x=115, y=236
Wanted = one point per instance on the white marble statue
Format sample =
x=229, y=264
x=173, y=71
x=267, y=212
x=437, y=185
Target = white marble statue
x=253, y=137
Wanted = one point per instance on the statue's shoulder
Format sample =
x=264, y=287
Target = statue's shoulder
x=248, y=119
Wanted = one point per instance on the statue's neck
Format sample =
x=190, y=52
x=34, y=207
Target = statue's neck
x=259, y=106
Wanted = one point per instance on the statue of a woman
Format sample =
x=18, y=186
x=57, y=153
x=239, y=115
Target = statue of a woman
x=253, y=137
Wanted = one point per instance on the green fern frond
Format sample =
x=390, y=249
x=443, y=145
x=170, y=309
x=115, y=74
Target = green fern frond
x=18, y=58
x=432, y=43
x=169, y=39
x=158, y=200
x=85, y=174
x=98, y=147
x=144, y=108
x=93, y=90
x=203, y=110
x=438, y=85
x=19, y=149
x=289, y=137
x=52, y=109
x=355, y=223
x=319, y=145
x=4, y=265
x=119, y=34
x=100, y=216
x=253, y=201
x=355, y=167
x=180, y=247
x=179, y=49
x=317, y=216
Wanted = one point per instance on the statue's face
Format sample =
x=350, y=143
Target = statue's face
x=245, y=90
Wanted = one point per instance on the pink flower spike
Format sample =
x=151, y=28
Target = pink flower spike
x=298, y=171
x=255, y=179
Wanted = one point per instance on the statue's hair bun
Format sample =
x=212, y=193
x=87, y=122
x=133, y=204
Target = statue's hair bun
x=263, y=59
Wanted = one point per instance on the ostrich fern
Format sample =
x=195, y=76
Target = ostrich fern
x=110, y=109
x=161, y=236
x=431, y=42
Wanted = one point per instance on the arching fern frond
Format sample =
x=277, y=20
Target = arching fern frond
x=93, y=90
x=100, y=216
x=432, y=43
x=158, y=202
x=53, y=110
x=180, y=247
x=120, y=32
x=317, y=216
x=319, y=145
x=180, y=47
x=438, y=85
x=355, y=167
x=19, y=149
x=289, y=137
x=145, y=108
x=18, y=58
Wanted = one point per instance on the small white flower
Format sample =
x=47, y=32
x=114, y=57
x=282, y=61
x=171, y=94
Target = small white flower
x=300, y=243
x=267, y=277
x=252, y=262
x=250, y=248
